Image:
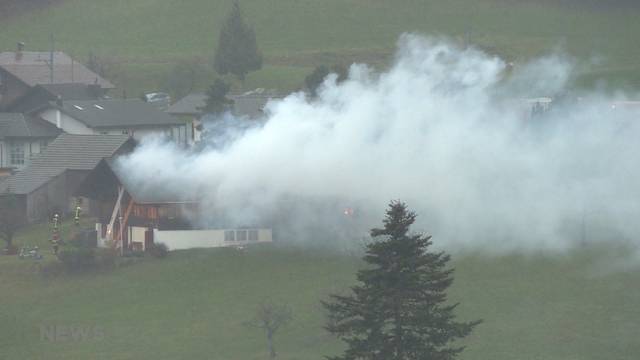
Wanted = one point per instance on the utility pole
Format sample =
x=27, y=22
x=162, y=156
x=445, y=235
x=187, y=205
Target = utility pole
x=52, y=41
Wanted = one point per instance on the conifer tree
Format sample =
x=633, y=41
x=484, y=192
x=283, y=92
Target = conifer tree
x=217, y=101
x=399, y=309
x=237, y=51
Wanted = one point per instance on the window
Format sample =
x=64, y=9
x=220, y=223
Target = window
x=43, y=145
x=253, y=235
x=17, y=154
x=229, y=235
x=241, y=235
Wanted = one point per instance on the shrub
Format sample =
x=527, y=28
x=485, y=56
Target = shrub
x=158, y=250
x=84, y=238
x=77, y=258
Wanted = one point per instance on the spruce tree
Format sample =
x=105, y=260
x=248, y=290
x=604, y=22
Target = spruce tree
x=399, y=309
x=237, y=51
x=217, y=101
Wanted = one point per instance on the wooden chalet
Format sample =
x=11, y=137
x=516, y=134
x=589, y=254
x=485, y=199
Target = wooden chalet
x=128, y=218
x=134, y=216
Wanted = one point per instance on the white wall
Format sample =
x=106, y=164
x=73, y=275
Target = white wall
x=189, y=239
x=137, y=234
x=67, y=123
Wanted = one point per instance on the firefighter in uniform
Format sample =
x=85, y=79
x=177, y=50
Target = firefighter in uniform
x=55, y=238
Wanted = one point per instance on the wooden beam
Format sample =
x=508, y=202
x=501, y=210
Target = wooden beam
x=116, y=209
x=126, y=218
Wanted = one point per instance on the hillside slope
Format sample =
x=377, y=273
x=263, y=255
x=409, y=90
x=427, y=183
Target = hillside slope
x=142, y=40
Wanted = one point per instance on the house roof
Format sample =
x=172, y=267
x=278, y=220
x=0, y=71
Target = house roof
x=72, y=91
x=14, y=125
x=116, y=113
x=188, y=105
x=67, y=152
x=32, y=68
x=249, y=105
x=41, y=94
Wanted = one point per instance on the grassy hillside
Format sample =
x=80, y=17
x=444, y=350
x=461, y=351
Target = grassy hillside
x=142, y=40
x=192, y=305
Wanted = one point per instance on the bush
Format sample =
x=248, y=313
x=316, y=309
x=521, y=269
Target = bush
x=84, y=238
x=77, y=258
x=158, y=250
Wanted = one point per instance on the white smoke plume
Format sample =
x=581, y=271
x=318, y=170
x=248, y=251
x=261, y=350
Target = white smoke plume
x=444, y=129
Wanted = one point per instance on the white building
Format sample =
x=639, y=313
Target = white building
x=22, y=138
x=113, y=117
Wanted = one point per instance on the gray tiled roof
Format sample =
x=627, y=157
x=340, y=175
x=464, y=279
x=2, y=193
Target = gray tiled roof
x=32, y=68
x=116, y=113
x=14, y=125
x=71, y=91
x=67, y=152
x=188, y=105
x=245, y=105
x=40, y=95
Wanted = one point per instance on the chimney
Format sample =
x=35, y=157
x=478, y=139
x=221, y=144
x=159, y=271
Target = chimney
x=19, y=50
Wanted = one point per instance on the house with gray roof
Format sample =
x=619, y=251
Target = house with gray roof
x=48, y=183
x=22, y=70
x=22, y=138
x=249, y=105
x=132, y=117
x=42, y=94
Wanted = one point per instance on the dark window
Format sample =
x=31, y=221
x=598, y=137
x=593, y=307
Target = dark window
x=241, y=235
x=17, y=154
x=253, y=235
x=229, y=235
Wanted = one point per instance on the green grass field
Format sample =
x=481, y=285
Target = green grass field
x=144, y=39
x=192, y=305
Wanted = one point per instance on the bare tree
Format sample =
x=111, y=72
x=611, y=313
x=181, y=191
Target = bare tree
x=270, y=318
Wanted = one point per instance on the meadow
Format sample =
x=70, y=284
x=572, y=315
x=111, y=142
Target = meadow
x=142, y=41
x=193, y=304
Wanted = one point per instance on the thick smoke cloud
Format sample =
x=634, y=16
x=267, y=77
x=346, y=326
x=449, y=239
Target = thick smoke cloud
x=445, y=129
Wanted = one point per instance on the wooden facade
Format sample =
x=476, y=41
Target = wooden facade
x=121, y=218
